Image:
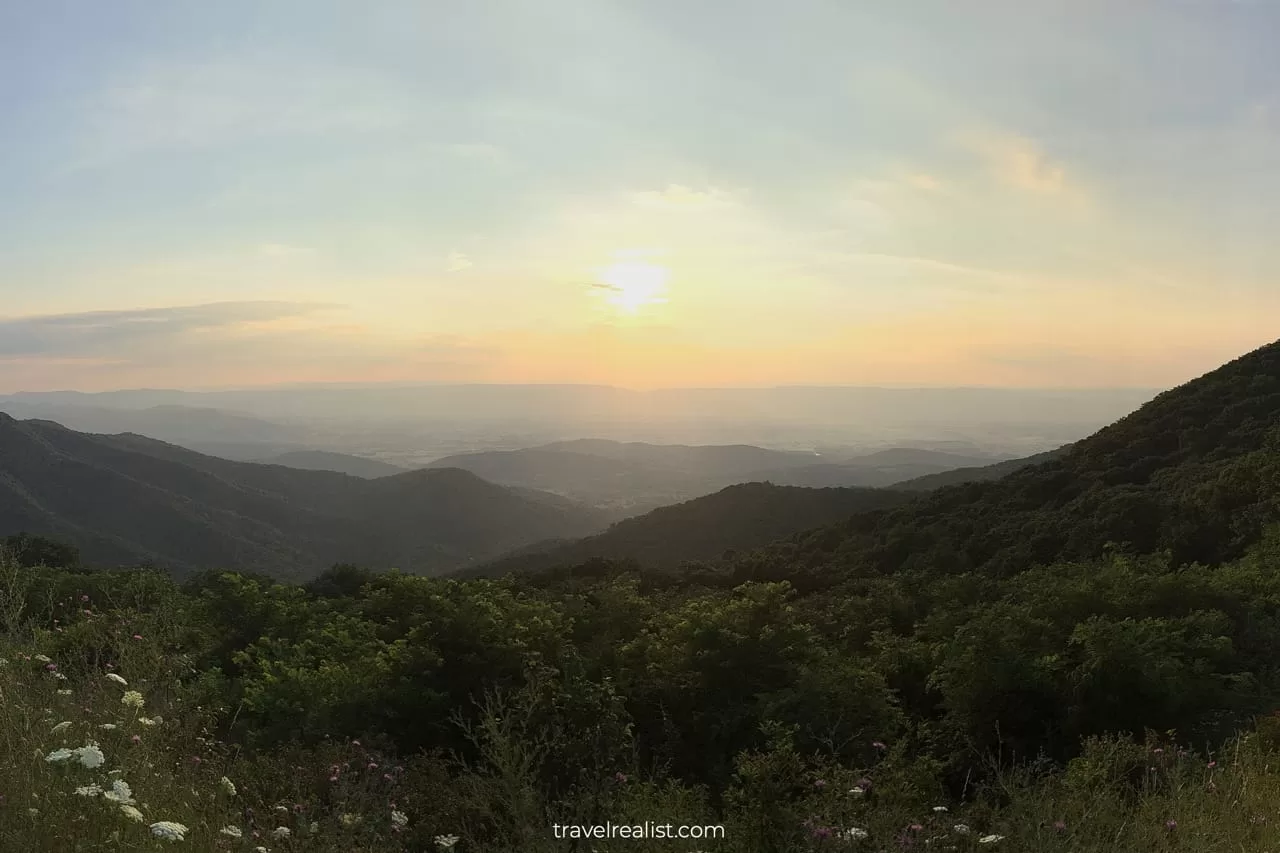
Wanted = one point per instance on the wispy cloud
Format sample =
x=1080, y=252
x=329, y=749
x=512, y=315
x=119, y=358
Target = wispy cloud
x=457, y=262
x=1020, y=162
x=679, y=196
x=201, y=104
x=111, y=333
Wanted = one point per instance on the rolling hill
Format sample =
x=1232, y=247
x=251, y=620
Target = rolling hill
x=1194, y=473
x=128, y=499
x=634, y=477
x=955, y=476
x=736, y=518
x=325, y=460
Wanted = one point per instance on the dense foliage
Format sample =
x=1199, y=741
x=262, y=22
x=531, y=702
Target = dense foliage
x=1058, y=660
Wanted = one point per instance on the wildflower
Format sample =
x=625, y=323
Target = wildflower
x=261, y=850
x=231, y=831
x=620, y=777
x=939, y=809
x=1158, y=751
x=1171, y=825
x=51, y=667
x=961, y=829
x=132, y=699
x=148, y=721
x=120, y=793
x=136, y=739
x=65, y=724
x=280, y=833
x=90, y=756
x=819, y=783
x=64, y=692
x=42, y=658
x=107, y=727
x=446, y=842
x=132, y=813
x=1059, y=826
x=875, y=744
x=282, y=809
x=853, y=833
x=915, y=827
x=59, y=755
x=137, y=636
x=349, y=820
x=399, y=819
x=990, y=839
x=117, y=679
x=1212, y=764
x=169, y=831
x=314, y=828
x=88, y=791
x=228, y=786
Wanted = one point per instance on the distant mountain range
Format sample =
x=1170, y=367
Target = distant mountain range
x=635, y=477
x=325, y=460
x=982, y=473
x=126, y=499
x=737, y=518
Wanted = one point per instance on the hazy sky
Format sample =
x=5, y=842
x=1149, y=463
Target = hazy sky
x=643, y=193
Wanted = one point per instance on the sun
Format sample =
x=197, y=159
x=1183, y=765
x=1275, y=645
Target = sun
x=631, y=285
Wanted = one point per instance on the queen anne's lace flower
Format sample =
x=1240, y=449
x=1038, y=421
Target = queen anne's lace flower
x=107, y=727
x=90, y=756
x=169, y=831
x=132, y=813
x=228, y=786
x=231, y=831
x=446, y=842
x=65, y=724
x=280, y=833
x=990, y=839
x=133, y=699
x=42, y=658
x=120, y=793
x=399, y=819
x=117, y=679
x=89, y=790
x=59, y=755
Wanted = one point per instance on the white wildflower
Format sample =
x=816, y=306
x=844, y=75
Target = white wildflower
x=446, y=842
x=4, y=661
x=169, y=831
x=117, y=679
x=399, y=819
x=350, y=820
x=59, y=676
x=990, y=839
x=120, y=793
x=961, y=828
x=66, y=691
x=939, y=809
x=42, y=658
x=261, y=850
x=58, y=755
x=90, y=756
x=65, y=724
x=133, y=699
x=88, y=790
x=132, y=813
x=231, y=831
x=314, y=828
x=108, y=727
x=228, y=786
x=280, y=833
x=148, y=721
x=854, y=833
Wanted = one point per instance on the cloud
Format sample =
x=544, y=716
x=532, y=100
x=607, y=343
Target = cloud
x=1019, y=162
x=115, y=333
x=201, y=104
x=679, y=196
x=457, y=262
x=283, y=250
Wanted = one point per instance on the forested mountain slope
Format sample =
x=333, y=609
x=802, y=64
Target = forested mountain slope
x=129, y=499
x=735, y=518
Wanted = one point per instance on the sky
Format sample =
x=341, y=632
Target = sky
x=643, y=193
